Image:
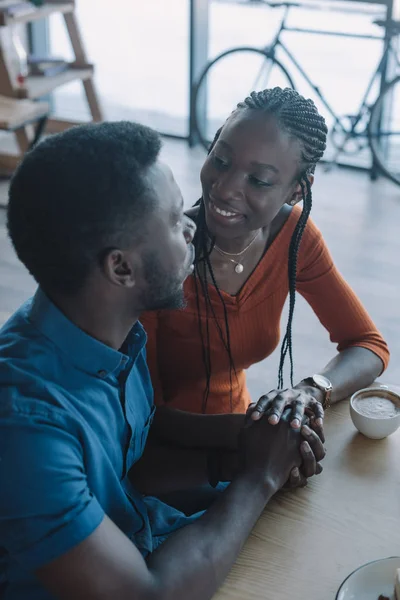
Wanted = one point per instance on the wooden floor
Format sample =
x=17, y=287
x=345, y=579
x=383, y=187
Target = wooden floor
x=361, y=223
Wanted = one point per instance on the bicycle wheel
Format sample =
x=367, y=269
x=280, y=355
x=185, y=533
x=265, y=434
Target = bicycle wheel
x=384, y=131
x=228, y=79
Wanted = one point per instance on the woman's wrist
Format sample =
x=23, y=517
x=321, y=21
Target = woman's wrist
x=313, y=391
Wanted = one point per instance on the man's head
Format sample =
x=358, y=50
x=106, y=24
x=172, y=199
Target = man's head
x=95, y=205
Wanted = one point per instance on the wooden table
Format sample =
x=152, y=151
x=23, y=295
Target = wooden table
x=308, y=541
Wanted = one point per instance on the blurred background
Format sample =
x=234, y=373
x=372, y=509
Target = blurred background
x=148, y=58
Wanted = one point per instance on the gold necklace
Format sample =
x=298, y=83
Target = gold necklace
x=239, y=268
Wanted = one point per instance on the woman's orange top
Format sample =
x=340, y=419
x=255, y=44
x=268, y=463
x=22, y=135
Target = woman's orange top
x=174, y=348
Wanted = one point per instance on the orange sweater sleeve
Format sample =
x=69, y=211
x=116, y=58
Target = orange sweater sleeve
x=332, y=299
x=149, y=320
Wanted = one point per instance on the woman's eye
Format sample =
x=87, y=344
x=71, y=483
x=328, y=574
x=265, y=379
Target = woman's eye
x=258, y=182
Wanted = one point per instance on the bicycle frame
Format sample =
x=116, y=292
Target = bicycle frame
x=365, y=105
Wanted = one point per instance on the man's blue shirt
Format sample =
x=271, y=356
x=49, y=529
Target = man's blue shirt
x=74, y=418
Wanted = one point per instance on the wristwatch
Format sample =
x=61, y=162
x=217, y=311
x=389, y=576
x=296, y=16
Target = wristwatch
x=321, y=383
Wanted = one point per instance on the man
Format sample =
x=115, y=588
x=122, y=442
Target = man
x=98, y=221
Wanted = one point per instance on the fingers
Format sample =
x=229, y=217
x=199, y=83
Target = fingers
x=262, y=406
x=296, y=479
x=318, y=413
x=251, y=407
x=298, y=409
x=319, y=429
x=278, y=406
x=274, y=403
x=314, y=442
x=309, y=466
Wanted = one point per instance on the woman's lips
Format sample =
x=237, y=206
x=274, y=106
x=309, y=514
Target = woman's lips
x=224, y=214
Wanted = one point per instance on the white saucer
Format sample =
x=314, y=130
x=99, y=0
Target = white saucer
x=370, y=580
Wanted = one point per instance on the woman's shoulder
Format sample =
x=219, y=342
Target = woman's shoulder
x=311, y=233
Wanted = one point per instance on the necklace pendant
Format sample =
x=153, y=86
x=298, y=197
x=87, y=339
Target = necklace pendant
x=239, y=268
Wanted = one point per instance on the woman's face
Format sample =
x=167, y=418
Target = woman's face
x=249, y=175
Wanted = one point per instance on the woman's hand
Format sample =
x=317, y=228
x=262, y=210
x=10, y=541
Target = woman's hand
x=312, y=451
x=303, y=399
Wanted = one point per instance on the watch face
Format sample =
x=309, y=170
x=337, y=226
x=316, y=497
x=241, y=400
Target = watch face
x=322, y=382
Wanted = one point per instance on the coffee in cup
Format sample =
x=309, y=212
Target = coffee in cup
x=376, y=407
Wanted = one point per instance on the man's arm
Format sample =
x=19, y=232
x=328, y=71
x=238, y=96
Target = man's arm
x=196, y=431
x=194, y=561
x=167, y=468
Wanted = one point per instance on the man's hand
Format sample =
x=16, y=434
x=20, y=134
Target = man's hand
x=270, y=452
x=310, y=465
x=311, y=449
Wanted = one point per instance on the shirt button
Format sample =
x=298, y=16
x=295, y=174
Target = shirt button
x=102, y=373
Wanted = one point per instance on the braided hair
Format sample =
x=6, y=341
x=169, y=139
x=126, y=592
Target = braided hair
x=298, y=117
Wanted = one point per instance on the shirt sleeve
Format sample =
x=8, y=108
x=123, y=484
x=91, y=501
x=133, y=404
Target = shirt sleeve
x=332, y=299
x=150, y=322
x=46, y=507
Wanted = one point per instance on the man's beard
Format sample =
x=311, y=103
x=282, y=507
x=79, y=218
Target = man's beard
x=162, y=291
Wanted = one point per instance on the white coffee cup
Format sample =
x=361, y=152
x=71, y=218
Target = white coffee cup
x=373, y=427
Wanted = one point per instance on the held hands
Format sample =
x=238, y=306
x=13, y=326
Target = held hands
x=303, y=400
x=279, y=454
x=312, y=451
x=275, y=407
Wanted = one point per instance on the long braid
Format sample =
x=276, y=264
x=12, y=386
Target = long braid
x=299, y=117
x=202, y=267
x=292, y=275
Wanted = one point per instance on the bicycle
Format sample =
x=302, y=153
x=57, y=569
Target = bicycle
x=375, y=125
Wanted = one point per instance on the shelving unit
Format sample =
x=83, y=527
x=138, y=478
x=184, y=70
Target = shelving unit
x=37, y=13
x=36, y=87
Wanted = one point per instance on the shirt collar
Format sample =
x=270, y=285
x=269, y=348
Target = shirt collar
x=83, y=350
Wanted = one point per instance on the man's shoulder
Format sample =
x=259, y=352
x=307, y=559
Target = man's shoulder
x=23, y=348
x=28, y=362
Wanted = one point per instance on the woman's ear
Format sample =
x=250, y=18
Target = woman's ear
x=297, y=194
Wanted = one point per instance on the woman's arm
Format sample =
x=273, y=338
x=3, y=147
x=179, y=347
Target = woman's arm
x=349, y=371
x=363, y=353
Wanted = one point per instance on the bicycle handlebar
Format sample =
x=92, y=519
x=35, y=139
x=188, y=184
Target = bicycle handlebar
x=391, y=25
x=275, y=4
x=288, y=4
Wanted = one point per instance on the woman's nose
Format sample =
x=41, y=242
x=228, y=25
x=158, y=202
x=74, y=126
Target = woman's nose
x=228, y=186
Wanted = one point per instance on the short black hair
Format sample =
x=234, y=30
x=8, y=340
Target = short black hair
x=78, y=194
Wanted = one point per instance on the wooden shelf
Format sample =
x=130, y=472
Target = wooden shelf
x=38, y=13
x=38, y=86
x=19, y=106
x=17, y=113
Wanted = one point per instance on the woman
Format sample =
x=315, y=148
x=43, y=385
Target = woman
x=254, y=246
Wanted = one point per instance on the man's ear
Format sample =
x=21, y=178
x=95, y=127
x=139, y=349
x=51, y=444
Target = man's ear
x=297, y=194
x=119, y=267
